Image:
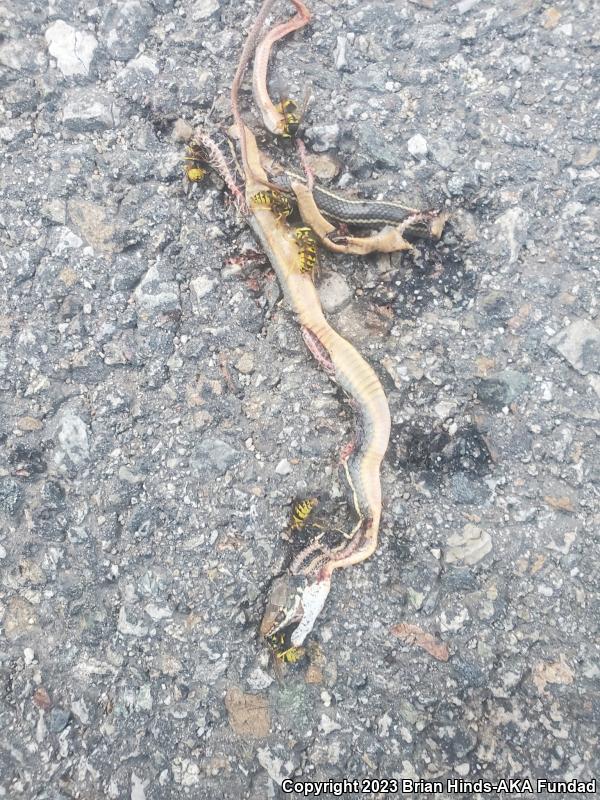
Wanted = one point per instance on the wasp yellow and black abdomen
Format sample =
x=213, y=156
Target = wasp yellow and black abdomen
x=291, y=119
x=194, y=168
x=307, y=249
x=277, y=202
x=301, y=511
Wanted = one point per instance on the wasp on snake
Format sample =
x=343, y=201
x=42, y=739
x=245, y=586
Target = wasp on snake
x=307, y=249
x=283, y=650
x=277, y=202
x=291, y=119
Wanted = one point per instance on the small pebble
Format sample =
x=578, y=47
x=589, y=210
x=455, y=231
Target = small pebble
x=58, y=719
x=284, y=467
x=245, y=364
x=417, y=146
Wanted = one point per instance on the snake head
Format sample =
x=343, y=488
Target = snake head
x=284, y=604
x=293, y=604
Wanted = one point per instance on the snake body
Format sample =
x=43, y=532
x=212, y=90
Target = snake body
x=275, y=119
x=350, y=210
x=297, y=598
x=357, y=378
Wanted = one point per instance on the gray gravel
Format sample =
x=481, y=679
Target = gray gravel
x=159, y=411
